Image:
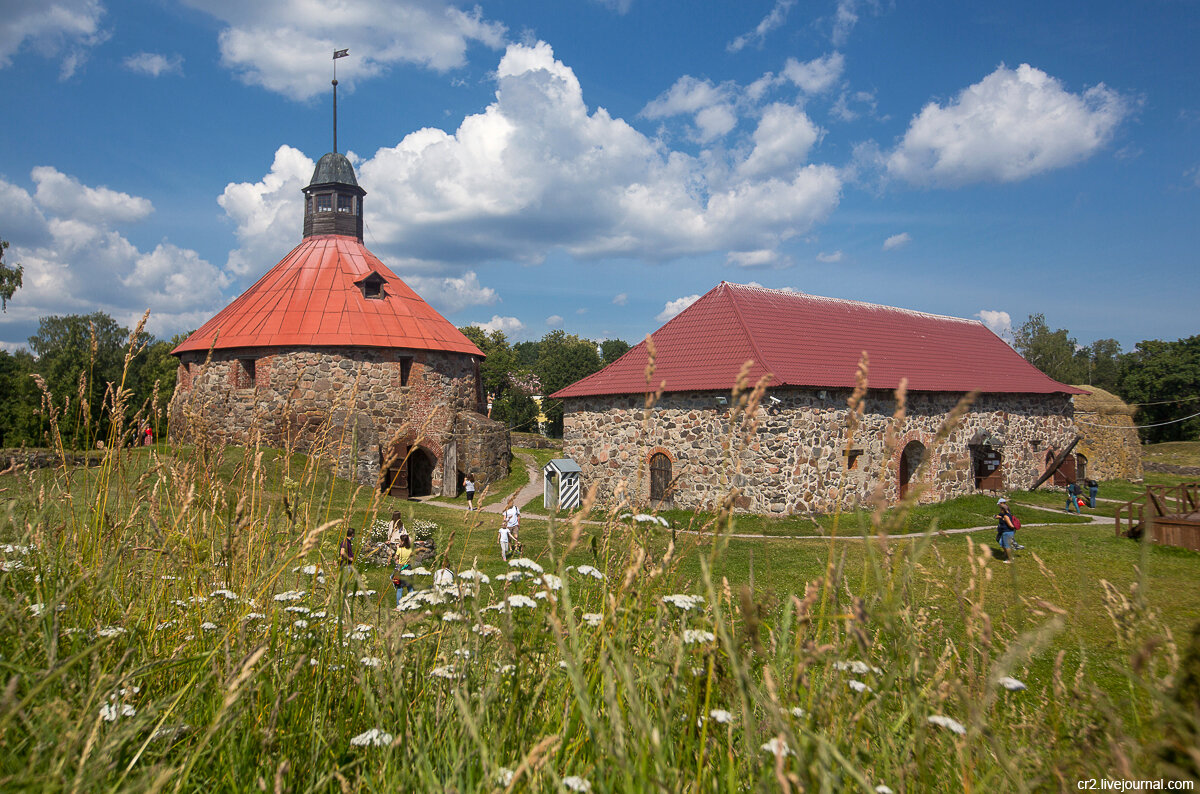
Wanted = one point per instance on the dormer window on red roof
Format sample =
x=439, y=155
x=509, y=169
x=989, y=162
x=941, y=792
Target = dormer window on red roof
x=372, y=286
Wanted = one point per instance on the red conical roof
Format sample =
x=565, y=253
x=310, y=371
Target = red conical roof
x=314, y=297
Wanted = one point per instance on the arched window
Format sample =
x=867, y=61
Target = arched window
x=660, y=478
x=910, y=461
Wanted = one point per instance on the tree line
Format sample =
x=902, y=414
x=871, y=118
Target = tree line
x=1161, y=378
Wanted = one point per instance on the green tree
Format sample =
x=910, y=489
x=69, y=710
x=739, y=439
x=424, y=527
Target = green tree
x=1164, y=379
x=515, y=409
x=1104, y=364
x=19, y=398
x=563, y=359
x=1053, y=352
x=10, y=278
x=611, y=350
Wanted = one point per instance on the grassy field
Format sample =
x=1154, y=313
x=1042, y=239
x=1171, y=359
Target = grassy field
x=1174, y=453
x=176, y=618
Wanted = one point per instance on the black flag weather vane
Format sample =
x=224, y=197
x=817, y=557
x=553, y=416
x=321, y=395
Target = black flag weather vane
x=336, y=54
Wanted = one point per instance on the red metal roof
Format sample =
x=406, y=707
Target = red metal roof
x=311, y=299
x=806, y=340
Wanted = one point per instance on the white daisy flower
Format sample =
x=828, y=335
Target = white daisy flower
x=1011, y=684
x=451, y=617
x=777, y=746
x=290, y=595
x=947, y=723
x=110, y=631
x=576, y=783
x=520, y=601
x=683, y=601
x=593, y=619
x=447, y=672
x=552, y=581
x=541, y=595
x=722, y=716
x=588, y=570
x=858, y=686
x=228, y=595
x=691, y=636
x=371, y=661
x=511, y=576
x=527, y=564
x=372, y=738
x=111, y=711
x=473, y=575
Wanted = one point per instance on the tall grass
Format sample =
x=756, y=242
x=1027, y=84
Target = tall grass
x=175, y=619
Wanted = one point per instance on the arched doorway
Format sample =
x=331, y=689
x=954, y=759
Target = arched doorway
x=660, y=478
x=910, y=461
x=1081, y=472
x=421, y=466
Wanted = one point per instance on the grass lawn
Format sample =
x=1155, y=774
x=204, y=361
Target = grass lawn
x=1174, y=453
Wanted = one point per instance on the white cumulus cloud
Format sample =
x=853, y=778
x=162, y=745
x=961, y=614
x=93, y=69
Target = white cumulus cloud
x=509, y=325
x=554, y=320
x=268, y=214
x=818, y=75
x=781, y=142
x=1009, y=126
x=1000, y=322
x=451, y=294
x=285, y=46
x=154, y=64
x=830, y=257
x=674, y=307
x=65, y=196
x=51, y=28
x=773, y=20
x=620, y=299
x=897, y=241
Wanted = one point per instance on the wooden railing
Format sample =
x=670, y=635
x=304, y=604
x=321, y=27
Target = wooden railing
x=1159, y=500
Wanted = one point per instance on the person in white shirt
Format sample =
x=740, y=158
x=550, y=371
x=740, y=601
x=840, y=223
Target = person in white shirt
x=504, y=538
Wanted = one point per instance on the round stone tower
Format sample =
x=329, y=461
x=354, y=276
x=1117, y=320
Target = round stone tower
x=331, y=352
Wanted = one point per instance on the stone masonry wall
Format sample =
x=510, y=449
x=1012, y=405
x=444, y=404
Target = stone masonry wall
x=345, y=401
x=1111, y=445
x=794, y=463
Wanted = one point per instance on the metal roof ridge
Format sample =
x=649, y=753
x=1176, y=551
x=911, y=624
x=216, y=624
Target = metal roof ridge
x=737, y=311
x=866, y=304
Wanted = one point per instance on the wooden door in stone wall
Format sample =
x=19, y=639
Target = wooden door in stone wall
x=989, y=471
x=396, y=482
x=1065, y=473
x=660, y=478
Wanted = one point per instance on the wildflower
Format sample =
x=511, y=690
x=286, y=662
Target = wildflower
x=526, y=563
x=11, y=565
x=857, y=667
x=593, y=619
x=166, y=624
x=421, y=571
x=443, y=577
x=110, y=711
x=306, y=569
x=318, y=615
x=947, y=723
x=511, y=576
x=777, y=746
x=462, y=653
x=562, y=664
x=208, y=625
x=408, y=635
x=882, y=789
x=110, y=631
x=300, y=624
x=520, y=601
x=722, y=716
x=364, y=627
x=683, y=601
x=551, y=581
x=37, y=609
x=576, y=783
x=372, y=738
x=646, y=518
x=254, y=616
x=197, y=599
x=504, y=776
x=473, y=575
x=228, y=595
x=691, y=636
x=290, y=595
x=298, y=608
x=451, y=617
x=168, y=578
x=179, y=603
x=1011, y=684
x=9, y=548
x=167, y=732
x=447, y=672
x=485, y=629
x=506, y=669
x=858, y=686
x=370, y=661
x=798, y=712
x=588, y=570
x=362, y=594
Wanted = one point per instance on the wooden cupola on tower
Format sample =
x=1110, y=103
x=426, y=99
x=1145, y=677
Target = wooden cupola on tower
x=333, y=201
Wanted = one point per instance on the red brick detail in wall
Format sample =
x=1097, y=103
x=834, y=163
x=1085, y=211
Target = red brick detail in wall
x=925, y=439
x=656, y=450
x=183, y=377
x=262, y=373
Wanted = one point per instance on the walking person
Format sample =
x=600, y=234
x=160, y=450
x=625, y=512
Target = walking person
x=1006, y=529
x=346, y=550
x=1093, y=489
x=512, y=522
x=469, y=487
x=402, y=561
x=1073, y=497
x=505, y=538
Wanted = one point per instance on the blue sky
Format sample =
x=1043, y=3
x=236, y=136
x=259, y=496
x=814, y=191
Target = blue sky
x=593, y=166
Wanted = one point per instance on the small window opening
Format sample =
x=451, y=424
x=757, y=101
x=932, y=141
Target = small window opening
x=245, y=373
x=372, y=286
x=308, y=206
x=345, y=204
x=324, y=203
x=852, y=458
x=405, y=369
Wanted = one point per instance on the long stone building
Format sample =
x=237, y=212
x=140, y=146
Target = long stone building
x=1109, y=447
x=799, y=459
x=331, y=352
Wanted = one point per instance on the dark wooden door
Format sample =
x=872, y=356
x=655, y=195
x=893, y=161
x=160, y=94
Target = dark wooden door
x=396, y=483
x=989, y=473
x=660, y=478
x=1065, y=473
